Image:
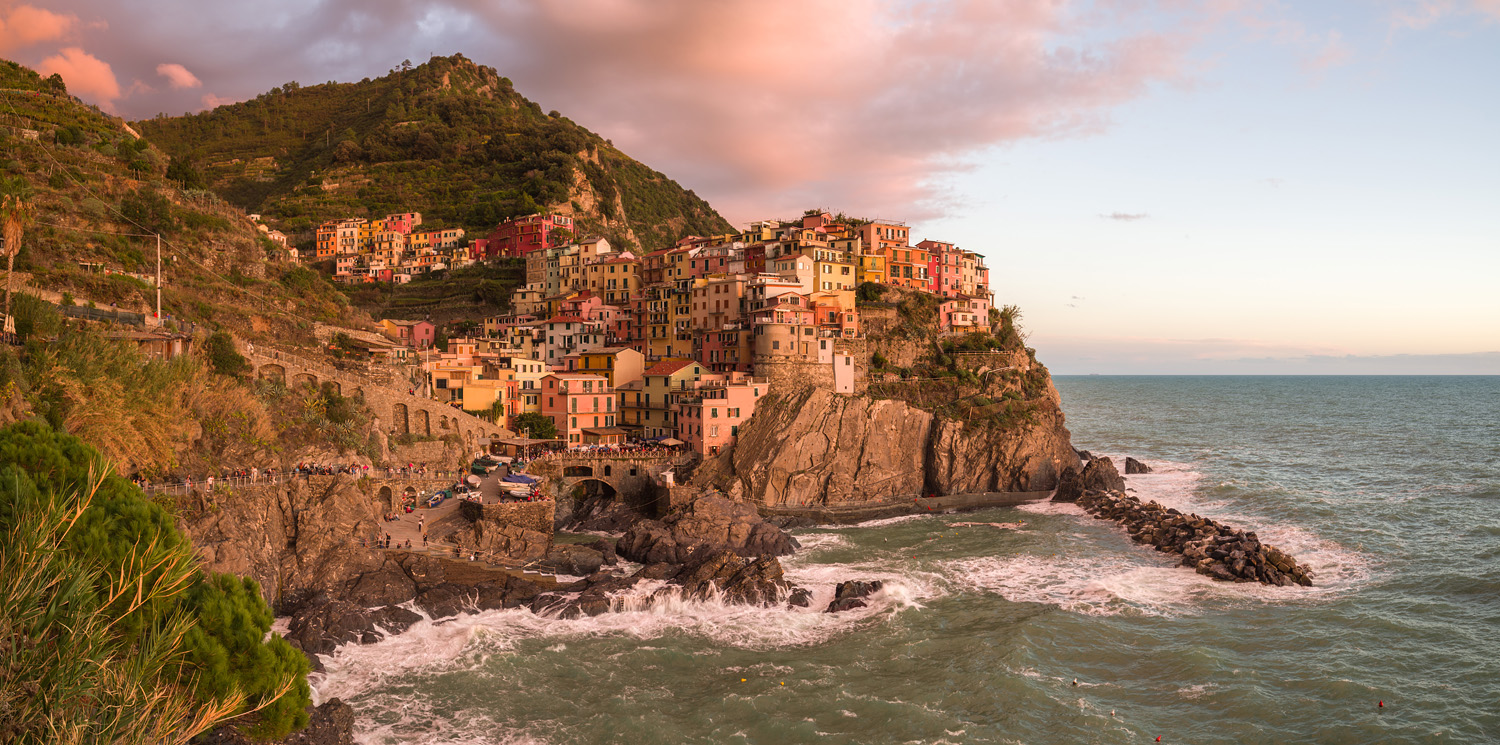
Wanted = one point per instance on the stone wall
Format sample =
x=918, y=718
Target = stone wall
x=535, y=516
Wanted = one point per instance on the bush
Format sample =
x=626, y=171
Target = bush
x=869, y=292
x=222, y=356
x=129, y=641
x=877, y=360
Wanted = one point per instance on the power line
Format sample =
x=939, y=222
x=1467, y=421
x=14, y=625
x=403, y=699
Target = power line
x=175, y=251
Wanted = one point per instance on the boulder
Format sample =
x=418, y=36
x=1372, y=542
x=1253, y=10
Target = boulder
x=573, y=559
x=322, y=625
x=510, y=544
x=1100, y=475
x=709, y=523
x=1069, y=489
x=842, y=604
x=734, y=578
x=596, y=596
x=800, y=598
x=1133, y=466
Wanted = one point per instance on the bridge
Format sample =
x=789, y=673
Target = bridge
x=401, y=413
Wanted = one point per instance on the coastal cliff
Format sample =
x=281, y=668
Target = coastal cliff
x=811, y=446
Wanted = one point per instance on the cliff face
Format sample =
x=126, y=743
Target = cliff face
x=816, y=447
x=296, y=538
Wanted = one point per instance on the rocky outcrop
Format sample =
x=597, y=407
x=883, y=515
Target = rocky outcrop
x=323, y=624
x=510, y=544
x=298, y=538
x=1133, y=466
x=847, y=595
x=707, y=524
x=575, y=560
x=815, y=447
x=734, y=578
x=329, y=724
x=1213, y=549
x=1098, y=475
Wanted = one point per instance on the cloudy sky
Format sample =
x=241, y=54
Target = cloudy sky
x=1163, y=186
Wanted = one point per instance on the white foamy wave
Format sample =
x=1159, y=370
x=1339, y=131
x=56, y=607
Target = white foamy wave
x=884, y=521
x=1336, y=568
x=1096, y=586
x=1048, y=507
x=819, y=541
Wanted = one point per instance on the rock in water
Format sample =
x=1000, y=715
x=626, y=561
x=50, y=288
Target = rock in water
x=1098, y=475
x=323, y=624
x=847, y=595
x=579, y=561
x=1133, y=466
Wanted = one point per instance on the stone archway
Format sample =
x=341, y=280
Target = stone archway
x=400, y=423
x=304, y=379
x=424, y=423
x=594, y=489
x=334, y=387
x=274, y=372
x=387, y=498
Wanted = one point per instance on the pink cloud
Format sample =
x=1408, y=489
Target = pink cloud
x=178, y=76
x=85, y=75
x=24, y=25
x=211, y=101
x=770, y=106
x=1421, y=14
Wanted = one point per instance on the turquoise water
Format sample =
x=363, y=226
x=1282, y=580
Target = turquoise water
x=1388, y=487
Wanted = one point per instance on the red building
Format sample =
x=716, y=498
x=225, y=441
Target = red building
x=522, y=235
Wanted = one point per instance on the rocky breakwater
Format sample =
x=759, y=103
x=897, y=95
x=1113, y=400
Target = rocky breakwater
x=1212, y=548
x=815, y=447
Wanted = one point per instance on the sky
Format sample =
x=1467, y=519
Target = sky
x=1162, y=186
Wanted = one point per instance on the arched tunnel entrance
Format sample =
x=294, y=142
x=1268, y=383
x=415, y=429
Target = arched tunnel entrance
x=594, y=490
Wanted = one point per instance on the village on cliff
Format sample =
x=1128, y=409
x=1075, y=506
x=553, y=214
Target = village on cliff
x=675, y=344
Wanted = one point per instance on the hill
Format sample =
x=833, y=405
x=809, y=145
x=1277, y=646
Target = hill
x=98, y=194
x=450, y=139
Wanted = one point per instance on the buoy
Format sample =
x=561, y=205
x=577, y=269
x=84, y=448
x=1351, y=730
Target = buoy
x=742, y=680
x=1075, y=682
x=1111, y=712
x=1380, y=705
x=783, y=682
x=1158, y=738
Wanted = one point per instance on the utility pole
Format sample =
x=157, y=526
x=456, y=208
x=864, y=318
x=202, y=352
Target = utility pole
x=158, y=281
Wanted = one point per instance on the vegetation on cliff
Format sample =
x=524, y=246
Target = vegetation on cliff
x=97, y=195
x=449, y=138
x=111, y=632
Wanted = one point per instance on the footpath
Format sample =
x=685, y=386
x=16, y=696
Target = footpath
x=861, y=511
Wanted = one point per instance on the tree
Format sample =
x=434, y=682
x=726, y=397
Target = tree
x=536, y=425
x=182, y=171
x=128, y=641
x=15, y=215
x=223, y=357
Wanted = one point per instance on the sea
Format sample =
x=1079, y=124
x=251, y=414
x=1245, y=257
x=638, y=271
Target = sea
x=1060, y=630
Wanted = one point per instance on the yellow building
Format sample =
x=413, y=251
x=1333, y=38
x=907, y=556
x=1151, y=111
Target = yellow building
x=619, y=364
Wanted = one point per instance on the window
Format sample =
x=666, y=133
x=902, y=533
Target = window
x=713, y=412
x=775, y=344
x=575, y=422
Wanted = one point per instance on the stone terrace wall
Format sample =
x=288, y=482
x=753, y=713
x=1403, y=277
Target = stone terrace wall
x=529, y=515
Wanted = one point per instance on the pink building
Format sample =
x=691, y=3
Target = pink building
x=582, y=406
x=964, y=313
x=414, y=334
x=944, y=268
x=522, y=235
x=709, y=417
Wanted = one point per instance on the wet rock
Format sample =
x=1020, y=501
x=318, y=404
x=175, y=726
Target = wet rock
x=1210, y=548
x=734, y=578
x=1133, y=466
x=325, y=623
x=606, y=548
x=596, y=597
x=1084, y=454
x=800, y=598
x=857, y=589
x=843, y=604
x=1068, y=487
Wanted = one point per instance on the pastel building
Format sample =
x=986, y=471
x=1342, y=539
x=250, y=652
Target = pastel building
x=709, y=416
x=582, y=407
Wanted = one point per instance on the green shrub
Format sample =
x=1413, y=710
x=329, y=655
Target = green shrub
x=222, y=356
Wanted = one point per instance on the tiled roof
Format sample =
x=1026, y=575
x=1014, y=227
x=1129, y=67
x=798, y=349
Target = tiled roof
x=668, y=367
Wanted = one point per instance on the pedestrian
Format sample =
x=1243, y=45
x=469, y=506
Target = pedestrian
x=210, y=483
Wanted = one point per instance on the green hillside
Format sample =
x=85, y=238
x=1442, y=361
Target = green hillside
x=96, y=195
x=450, y=139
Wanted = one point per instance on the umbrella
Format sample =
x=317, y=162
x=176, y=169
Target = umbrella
x=672, y=442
